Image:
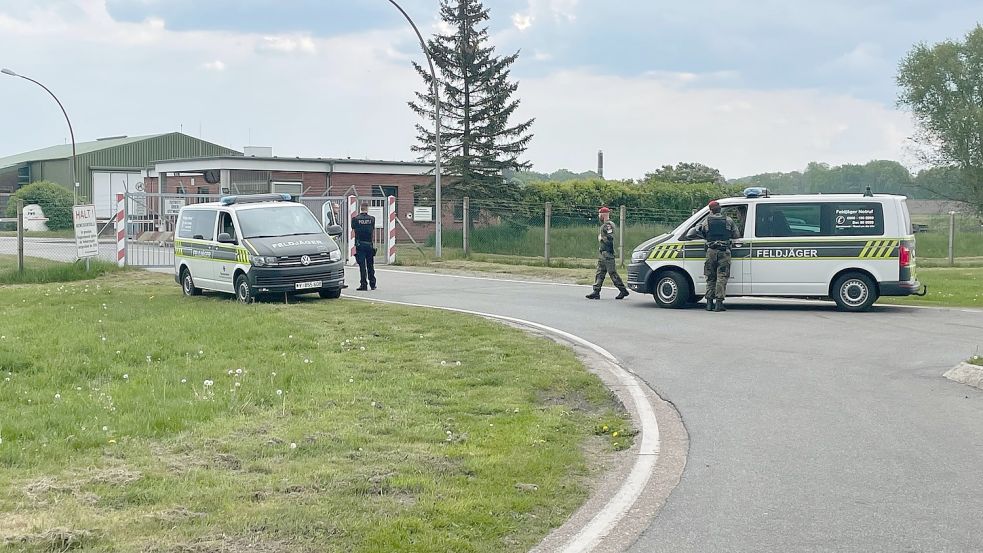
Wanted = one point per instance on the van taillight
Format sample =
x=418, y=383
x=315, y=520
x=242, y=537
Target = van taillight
x=905, y=256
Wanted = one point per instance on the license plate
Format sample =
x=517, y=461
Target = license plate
x=307, y=285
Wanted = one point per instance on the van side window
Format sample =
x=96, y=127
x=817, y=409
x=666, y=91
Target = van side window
x=197, y=223
x=738, y=213
x=225, y=224
x=856, y=218
x=819, y=219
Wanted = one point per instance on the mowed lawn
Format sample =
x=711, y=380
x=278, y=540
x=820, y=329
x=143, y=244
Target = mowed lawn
x=134, y=419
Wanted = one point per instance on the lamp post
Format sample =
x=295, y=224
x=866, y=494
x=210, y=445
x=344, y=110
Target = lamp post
x=75, y=184
x=436, y=99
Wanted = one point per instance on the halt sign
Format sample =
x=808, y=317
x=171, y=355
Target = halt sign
x=86, y=235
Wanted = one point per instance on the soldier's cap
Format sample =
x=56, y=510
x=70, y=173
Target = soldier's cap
x=604, y=210
x=713, y=204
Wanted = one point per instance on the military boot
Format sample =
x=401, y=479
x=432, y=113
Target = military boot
x=622, y=295
x=709, y=304
x=593, y=296
x=720, y=305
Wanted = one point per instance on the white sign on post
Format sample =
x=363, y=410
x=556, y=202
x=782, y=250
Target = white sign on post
x=379, y=213
x=86, y=234
x=422, y=214
x=172, y=206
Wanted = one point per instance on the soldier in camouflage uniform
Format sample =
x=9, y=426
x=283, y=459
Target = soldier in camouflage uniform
x=605, y=258
x=718, y=230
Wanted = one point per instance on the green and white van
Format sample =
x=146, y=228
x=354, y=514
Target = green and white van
x=258, y=244
x=852, y=248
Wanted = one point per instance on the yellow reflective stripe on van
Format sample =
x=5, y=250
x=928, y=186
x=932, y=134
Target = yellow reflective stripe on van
x=666, y=251
x=242, y=256
x=879, y=249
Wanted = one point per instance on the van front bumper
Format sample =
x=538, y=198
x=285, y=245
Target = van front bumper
x=905, y=288
x=286, y=279
x=638, y=277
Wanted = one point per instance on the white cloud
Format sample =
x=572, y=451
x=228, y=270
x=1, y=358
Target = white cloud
x=539, y=55
x=347, y=95
x=522, y=21
x=645, y=122
x=287, y=44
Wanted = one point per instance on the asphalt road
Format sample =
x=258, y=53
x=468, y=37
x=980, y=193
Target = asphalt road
x=810, y=429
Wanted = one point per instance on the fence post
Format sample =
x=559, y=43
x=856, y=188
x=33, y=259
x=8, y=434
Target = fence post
x=952, y=238
x=621, y=237
x=20, y=236
x=548, y=219
x=466, y=229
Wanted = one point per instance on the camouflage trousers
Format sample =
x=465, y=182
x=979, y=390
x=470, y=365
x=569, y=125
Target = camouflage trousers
x=607, y=266
x=717, y=271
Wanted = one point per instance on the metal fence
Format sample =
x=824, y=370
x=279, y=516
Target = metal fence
x=557, y=234
x=547, y=233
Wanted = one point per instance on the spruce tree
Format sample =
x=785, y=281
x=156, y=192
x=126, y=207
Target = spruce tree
x=478, y=141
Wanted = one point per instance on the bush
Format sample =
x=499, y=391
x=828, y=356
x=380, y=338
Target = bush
x=55, y=200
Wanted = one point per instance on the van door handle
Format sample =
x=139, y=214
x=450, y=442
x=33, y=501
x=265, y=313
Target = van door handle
x=738, y=244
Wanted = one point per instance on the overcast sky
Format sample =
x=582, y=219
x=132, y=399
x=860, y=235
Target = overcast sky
x=745, y=86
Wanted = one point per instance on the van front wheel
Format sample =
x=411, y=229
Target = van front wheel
x=330, y=293
x=244, y=292
x=854, y=292
x=671, y=290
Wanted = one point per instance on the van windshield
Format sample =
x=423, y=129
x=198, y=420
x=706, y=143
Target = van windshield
x=277, y=221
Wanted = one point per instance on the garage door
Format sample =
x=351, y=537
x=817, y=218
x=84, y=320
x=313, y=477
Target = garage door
x=105, y=186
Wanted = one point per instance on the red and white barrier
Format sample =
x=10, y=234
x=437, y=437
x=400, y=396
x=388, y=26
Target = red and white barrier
x=352, y=210
x=120, y=230
x=391, y=250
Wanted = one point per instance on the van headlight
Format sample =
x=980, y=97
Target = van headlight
x=262, y=261
x=335, y=255
x=638, y=256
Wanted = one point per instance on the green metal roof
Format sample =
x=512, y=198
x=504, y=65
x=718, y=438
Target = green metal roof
x=64, y=151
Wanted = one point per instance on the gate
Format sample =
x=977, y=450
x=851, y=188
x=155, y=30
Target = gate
x=151, y=220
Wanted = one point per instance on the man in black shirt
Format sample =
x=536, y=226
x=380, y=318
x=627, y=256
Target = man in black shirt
x=364, y=225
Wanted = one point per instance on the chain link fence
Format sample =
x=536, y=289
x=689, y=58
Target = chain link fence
x=944, y=238
x=548, y=234
x=566, y=234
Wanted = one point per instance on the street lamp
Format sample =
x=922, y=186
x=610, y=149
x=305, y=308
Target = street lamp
x=75, y=184
x=436, y=98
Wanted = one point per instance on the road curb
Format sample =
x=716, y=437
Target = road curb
x=628, y=495
x=966, y=373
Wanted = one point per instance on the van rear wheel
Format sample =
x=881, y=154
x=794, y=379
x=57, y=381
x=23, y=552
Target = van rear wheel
x=854, y=292
x=188, y=284
x=672, y=290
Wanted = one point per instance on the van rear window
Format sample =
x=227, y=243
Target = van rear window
x=819, y=219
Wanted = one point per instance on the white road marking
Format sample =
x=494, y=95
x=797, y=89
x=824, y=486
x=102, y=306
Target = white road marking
x=648, y=453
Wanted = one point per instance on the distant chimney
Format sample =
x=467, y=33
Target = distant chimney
x=600, y=163
x=258, y=151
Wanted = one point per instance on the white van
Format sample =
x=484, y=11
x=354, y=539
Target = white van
x=257, y=244
x=852, y=248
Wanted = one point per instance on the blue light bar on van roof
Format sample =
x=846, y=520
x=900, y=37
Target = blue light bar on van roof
x=755, y=192
x=254, y=198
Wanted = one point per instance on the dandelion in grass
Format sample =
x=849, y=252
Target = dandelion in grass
x=237, y=384
x=230, y=372
x=57, y=396
x=238, y=372
x=184, y=381
x=443, y=362
x=293, y=445
x=126, y=377
x=105, y=429
x=200, y=352
x=209, y=383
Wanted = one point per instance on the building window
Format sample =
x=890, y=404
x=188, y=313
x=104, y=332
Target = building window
x=292, y=188
x=385, y=191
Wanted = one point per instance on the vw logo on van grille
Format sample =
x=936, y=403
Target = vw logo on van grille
x=305, y=260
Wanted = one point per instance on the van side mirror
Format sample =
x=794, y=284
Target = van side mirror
x=334, y=230
x=226, y=238
x=693, y=233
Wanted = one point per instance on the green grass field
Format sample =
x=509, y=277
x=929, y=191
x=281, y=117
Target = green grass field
x=38, y=270
x=134, y=419
x=947, y=287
